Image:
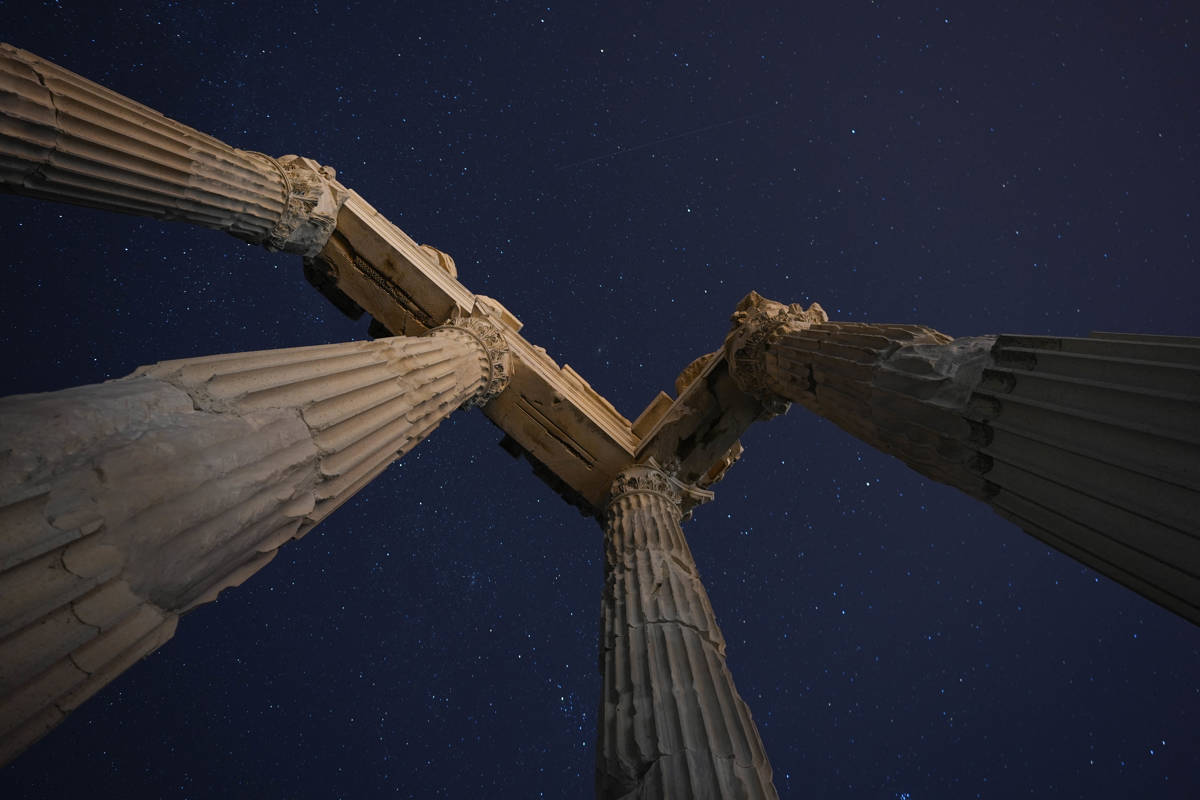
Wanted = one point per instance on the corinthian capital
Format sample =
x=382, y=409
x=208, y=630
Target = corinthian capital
x=756, y=324
x=495, y=354
x=645, y=478
x=313, y=199
x=650, y=478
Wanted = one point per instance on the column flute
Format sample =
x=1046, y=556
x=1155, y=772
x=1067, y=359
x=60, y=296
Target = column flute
x=65, y=138
x=672, y=723
x=1090, y=444
x=128, y=503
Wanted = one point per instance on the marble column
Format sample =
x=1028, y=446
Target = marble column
x=127, y=503
x=672, y=724
x=65, y=138
x=1090, y=444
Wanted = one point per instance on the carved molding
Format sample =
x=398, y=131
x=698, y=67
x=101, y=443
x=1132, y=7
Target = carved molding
x=441, y=258
x=312, y=199
x=756, y=324
x=488, y=336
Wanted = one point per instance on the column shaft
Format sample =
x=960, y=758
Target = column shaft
x=672, y=724
x=1090, y=444
x=126, y=503
x=65, y=138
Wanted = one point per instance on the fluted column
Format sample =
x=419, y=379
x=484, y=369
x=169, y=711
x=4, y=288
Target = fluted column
x=126, y=503
x=672, y=724
x=1090, y=444
x=65, y=138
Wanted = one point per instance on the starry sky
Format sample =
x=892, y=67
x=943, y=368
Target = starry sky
x=619, y=175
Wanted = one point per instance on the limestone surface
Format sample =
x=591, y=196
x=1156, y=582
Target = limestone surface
x=65, y=138
x=672, y=723
x=125, y=504
x=1090, y=444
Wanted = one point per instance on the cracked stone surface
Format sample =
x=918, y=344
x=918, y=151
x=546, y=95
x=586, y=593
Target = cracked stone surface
x=672, y=723
x=62, y=144
x=125, y=504
x=1088, y=444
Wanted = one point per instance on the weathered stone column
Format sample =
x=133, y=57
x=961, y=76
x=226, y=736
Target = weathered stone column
x=1091, y=445
x=65, y=138
x=127, y=503
x=672, y=724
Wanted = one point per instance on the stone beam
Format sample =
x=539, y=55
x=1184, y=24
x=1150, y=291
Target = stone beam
x=697, y=433
x=369, y=265
x=575, y=438
x=65, y=138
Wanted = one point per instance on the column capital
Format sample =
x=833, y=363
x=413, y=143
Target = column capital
x=488, y=335
x=312, y=199
x=650, y=478
x=756, y=323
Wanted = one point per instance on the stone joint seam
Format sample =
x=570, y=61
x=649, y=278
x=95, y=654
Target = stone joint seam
x=38, y=174
x=705, y=636
x=75, y=664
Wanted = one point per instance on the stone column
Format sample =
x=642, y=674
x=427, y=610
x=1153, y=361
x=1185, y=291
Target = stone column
x=127, y=503
x=65, y=138
x=1090, y=444
x=672, y=724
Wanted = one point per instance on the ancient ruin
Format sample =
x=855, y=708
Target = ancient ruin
x=127, y=503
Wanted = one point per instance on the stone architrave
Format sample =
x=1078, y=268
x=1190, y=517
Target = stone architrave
x=127, y=503
x=1090, y=444
x=65, y=138
x=671, y=721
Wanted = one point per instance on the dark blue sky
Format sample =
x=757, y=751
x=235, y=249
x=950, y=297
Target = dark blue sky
x=619, y=175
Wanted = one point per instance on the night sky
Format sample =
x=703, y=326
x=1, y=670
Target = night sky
x=619, y=175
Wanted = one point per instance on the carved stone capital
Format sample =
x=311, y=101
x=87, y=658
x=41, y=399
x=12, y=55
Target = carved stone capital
x=650, y=478
x=644, y=478
x=313, y=199
x=488, y=336
x=756, y=323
